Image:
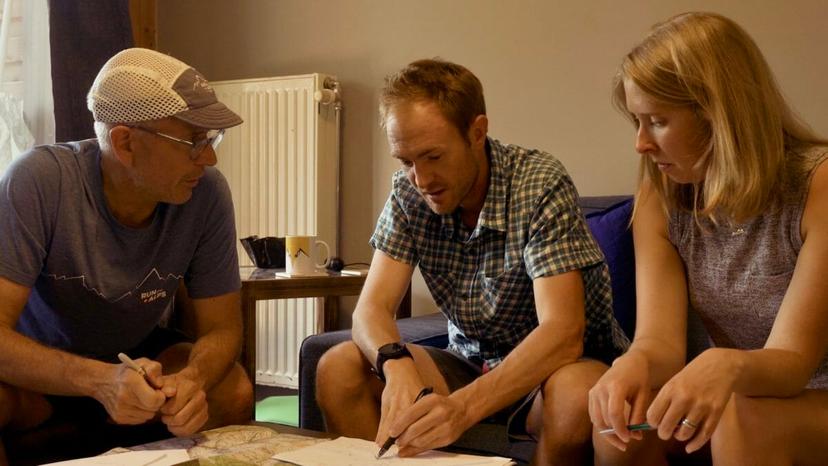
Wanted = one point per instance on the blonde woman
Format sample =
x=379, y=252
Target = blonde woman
x=731, y=220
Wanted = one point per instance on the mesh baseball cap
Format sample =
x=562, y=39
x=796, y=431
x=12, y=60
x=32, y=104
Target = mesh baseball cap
x=141, y=84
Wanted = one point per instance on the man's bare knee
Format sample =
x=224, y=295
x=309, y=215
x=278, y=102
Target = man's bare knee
x=342, y=370
x=572, y=382
x=175, y=357
x=347, y=393
x=566, y=397
x=231, y=401
x=561, y=413
x=244, y=397
x=8, y=399
x=21, y=409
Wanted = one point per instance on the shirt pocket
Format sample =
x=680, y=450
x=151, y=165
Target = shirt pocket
x=441, y=287
x=505, y=297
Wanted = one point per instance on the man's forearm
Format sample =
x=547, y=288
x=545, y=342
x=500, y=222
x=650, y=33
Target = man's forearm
x=373, y=318
x=538, y=356
x=28, y=364
x=214, y=354
x=371, y=329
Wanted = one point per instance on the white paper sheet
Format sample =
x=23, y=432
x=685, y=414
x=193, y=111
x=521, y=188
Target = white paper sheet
x=346, y=451
x=132, y=458
x=318, y=273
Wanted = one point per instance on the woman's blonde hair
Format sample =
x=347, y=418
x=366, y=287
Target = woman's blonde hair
x=707, y=62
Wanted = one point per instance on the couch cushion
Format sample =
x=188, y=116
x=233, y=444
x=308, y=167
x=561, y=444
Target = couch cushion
x=427, y=330
x=590, y=204
x=611, y=229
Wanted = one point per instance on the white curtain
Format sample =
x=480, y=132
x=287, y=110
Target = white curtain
x=38, y=106
x=26, y=108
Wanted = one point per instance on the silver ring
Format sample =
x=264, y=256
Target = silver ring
x=687, y=423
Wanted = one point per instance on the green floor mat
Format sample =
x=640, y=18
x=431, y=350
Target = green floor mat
x=279, y=410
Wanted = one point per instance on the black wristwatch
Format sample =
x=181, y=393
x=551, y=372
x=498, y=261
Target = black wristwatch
x=394, y=350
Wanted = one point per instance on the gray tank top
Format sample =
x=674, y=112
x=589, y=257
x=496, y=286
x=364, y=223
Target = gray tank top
x=738, y=275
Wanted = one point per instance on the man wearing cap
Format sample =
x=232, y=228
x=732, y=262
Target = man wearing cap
x=99, y=236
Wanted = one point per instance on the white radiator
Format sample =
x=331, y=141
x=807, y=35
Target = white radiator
x=282, y=165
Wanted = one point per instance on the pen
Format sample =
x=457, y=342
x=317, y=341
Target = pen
x=134, y=366
x=632, y=427
x=385, y=446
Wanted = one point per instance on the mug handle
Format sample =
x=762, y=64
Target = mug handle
x=327, y=253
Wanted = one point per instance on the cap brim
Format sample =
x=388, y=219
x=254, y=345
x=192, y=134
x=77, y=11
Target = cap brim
x=213, y=116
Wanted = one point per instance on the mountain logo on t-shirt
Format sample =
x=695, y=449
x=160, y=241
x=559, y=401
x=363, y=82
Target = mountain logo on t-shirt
x=154, y=280
x=150, y=296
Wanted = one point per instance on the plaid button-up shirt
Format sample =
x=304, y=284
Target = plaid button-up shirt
x=530, y=227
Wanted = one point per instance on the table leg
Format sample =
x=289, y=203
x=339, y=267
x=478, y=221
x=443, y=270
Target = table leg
x=248, y=356
x=331, y=314
x=405, y=305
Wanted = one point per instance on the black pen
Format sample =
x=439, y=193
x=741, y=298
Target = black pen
x=385, y=446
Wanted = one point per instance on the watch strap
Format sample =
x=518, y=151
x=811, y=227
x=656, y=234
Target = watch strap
x=395, y=350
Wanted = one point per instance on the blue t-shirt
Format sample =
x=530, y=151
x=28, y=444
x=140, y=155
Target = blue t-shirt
x=99, y=287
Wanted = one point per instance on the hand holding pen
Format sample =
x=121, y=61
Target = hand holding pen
x=130, y=400
x=181, y=395
x=390, y=441
x=138, y=368
x=134, y=366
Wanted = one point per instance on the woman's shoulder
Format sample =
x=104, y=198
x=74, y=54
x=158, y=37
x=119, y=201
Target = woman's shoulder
x=815, y=209
x=817, y=172
x=796, y=178
x=802, y=162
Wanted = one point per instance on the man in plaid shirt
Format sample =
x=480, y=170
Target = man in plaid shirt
x=508, y=258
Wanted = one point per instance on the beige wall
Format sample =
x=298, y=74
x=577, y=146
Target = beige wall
x=546, y=68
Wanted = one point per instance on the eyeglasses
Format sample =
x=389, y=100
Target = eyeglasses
x=213, y=138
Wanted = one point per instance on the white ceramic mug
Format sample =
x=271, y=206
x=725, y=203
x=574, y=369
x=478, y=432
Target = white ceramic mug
x=302, y=255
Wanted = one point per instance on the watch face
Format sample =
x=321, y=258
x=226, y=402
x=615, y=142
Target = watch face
x=392, y=349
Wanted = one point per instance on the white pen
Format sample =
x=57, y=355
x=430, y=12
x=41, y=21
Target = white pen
x=134, y=366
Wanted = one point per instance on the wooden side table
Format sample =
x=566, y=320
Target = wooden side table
x=262, y=284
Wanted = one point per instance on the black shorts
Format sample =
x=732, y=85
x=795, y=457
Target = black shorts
x=86, y=408
x=459, y=371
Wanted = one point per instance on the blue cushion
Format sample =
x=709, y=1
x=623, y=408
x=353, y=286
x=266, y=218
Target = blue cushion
x=611, y=229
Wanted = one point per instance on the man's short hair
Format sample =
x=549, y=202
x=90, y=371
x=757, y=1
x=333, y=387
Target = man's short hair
x=453, y=88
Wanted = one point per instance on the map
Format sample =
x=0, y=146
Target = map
x=231, y=446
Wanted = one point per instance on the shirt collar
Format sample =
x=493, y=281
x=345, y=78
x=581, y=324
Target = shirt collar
x=493, y=214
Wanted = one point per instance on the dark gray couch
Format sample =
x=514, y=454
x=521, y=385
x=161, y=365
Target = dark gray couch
x=608, y=219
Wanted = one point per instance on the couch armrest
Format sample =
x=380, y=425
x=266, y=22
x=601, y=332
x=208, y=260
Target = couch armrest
x=429, y=330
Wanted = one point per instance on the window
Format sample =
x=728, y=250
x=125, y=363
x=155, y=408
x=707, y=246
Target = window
x=26, y=108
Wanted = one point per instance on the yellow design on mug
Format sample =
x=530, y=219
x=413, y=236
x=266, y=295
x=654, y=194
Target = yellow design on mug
x=301, y=255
